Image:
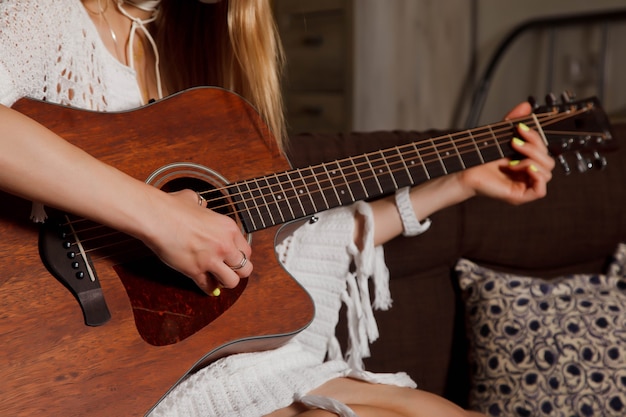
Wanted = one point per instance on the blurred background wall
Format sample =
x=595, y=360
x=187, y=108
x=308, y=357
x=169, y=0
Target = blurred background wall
x=414, y=64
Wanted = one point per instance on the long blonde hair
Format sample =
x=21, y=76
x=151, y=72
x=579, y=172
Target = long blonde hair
x=232, y=44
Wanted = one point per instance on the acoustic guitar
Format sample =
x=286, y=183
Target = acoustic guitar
x=91, y=324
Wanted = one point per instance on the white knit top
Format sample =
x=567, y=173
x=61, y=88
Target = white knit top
x=51, y=50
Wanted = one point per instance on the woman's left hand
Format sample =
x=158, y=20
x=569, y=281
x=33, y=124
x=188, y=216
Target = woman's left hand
x=515, y=181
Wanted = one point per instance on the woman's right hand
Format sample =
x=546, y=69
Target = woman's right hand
x=206, y=246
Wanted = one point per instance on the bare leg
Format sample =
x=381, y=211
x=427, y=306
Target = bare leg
x=360, y=410
x=373, y=400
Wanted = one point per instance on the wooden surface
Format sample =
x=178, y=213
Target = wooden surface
x=51, y=363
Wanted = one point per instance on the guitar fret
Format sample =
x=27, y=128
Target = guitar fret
x=263, y=185
x=366, y=175
x=495, y=139
x=302, y=191
x=268, y=200
x=406, y=168
x=339, y=183
x=292, y=198
x=261, y=205
x=467, y=150
x=438, y=153
x=334, y=197
x=456, y=151
x=317, y=195
x=387, y=168
x=397, y=168
x=416, y=165
x=280, y=198
x=385, y=172
x=375, y=173
x=320, y=175
x=505, y=148
x=480, y=155
x=488, y=145
x=253, y=220
x=448, y=154
x=353, y=179
x=431, y=160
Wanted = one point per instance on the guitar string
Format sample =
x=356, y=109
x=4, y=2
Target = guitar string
x=118, y=243
x=371, y=160
x=391, y=172
x=472, y=143
x=450, y=152
x=446, y=138
x=269, y=206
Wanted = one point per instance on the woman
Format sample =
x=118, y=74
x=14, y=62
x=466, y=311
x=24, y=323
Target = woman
x=110, y=55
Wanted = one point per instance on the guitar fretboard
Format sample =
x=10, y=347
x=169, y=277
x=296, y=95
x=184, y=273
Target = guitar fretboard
x=278, y=198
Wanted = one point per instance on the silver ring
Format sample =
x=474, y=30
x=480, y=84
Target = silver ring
x=201, y=200
x=243, y=262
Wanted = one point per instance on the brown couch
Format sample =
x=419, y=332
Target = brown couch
x=575, y=228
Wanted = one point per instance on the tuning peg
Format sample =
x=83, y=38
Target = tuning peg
x=551, y=99
x=533, y=102
x=567, y=96
x=600, y=161
x=583, y=164
x=566, y=169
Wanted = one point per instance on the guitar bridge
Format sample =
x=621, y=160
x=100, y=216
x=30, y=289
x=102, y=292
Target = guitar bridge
x=64, y=257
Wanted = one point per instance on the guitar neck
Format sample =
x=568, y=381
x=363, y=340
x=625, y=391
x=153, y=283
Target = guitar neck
x=278, y=198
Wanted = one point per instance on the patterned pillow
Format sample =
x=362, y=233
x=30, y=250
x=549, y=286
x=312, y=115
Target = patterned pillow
x=547, y=347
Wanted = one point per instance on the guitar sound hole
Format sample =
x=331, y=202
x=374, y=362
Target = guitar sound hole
x=167, y=306
x=217, y=201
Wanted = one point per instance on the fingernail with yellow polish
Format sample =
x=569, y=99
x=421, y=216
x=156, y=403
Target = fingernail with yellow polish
x=216, y=292
x=518, y=142
x=514, y=162
x=534, y=168
x=523, y=127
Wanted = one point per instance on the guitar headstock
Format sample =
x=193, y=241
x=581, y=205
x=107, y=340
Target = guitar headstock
x=577, y=127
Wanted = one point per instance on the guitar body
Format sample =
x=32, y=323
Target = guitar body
x=52, y=363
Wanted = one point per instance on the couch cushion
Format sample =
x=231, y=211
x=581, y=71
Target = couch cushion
x=547, y=347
